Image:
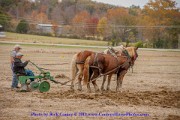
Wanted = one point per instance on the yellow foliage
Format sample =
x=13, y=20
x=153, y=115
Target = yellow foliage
x=102, y=24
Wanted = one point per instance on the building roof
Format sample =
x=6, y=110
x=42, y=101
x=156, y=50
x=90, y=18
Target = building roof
x=47, y=25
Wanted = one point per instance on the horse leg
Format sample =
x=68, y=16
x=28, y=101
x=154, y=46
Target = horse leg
x=109, y=81
x=88, y=87
x=72, y=84
x=104, y=80
x=120, y=79
x=79, y=82
x=74, y=71
x=95, y=75
x=118, y=82
x=95, y=86
x=88, y=84
x=80, y=77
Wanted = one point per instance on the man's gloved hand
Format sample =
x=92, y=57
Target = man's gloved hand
x=28, y=81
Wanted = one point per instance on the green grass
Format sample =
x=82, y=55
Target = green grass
x=53, y=46
x=16, y=37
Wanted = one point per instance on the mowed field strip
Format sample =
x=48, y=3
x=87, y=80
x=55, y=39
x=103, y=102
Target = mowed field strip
x=15, y=37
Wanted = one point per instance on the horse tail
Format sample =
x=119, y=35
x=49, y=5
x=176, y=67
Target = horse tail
x=86, y=71
x=73, y=67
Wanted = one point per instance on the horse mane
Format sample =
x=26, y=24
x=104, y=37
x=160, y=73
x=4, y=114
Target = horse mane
x=131, y=51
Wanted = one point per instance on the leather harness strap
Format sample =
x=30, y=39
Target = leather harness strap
x=95, y=63
x=82, y=62
x=95, y=59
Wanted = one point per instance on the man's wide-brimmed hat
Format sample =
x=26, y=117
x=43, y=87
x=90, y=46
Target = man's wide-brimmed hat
x=17, y=46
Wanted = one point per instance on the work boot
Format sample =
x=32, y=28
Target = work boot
x=24, y=88
x=17, y=87
x=13, y=89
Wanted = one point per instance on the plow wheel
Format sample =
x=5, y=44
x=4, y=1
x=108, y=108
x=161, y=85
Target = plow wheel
x=44, y=86
x=34, y=85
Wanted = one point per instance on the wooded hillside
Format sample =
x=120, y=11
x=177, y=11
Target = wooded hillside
x=157, y=24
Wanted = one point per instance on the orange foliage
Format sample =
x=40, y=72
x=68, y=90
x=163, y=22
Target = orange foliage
x=81, y=17
x=120, y=16
x=160, y=12
x=39, y=17
x=116, y=12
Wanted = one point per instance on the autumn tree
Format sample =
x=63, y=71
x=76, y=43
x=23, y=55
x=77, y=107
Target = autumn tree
x=91, y=26
x=39, y=17
x=79, y=22
x=134, y=10
x=161, y=13
x=102, y=26
x=120, y=16
x=118, y=19
x=81, y=17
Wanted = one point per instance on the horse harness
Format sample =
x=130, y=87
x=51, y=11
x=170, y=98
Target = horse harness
x=97, y=66
x=81, y=62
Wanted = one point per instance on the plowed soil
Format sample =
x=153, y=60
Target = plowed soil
x=152, y=89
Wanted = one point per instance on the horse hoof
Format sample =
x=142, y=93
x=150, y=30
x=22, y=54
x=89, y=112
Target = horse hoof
x=71, y=88
x=97, y=90
x=108, y=90
x=102, y=89
x=118, y=91
x=89, y=91
x=79, y=89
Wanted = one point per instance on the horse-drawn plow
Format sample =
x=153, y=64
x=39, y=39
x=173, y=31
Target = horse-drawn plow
x=39, y=82
x=152, y=88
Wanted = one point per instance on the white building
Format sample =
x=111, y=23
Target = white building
x=48, y=28
x=2, y=33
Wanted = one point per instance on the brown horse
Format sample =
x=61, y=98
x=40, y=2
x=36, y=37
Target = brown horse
x=77, y=64
x=132, y=53
x=102, y=64
x=98, y=64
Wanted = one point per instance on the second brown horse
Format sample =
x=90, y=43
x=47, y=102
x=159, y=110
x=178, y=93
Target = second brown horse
x=99, y=64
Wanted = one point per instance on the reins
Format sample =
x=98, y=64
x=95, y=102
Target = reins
x=126, y=55
x=108, y=71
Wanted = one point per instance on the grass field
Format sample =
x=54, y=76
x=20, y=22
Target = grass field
x=15, y=37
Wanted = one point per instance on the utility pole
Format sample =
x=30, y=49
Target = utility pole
x=178, y=41
x=17, y=11
x=76, y=1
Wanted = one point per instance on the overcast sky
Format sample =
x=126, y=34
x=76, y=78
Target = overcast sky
x=127, y=3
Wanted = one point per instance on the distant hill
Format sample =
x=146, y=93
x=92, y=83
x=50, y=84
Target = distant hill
x=156, y=24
